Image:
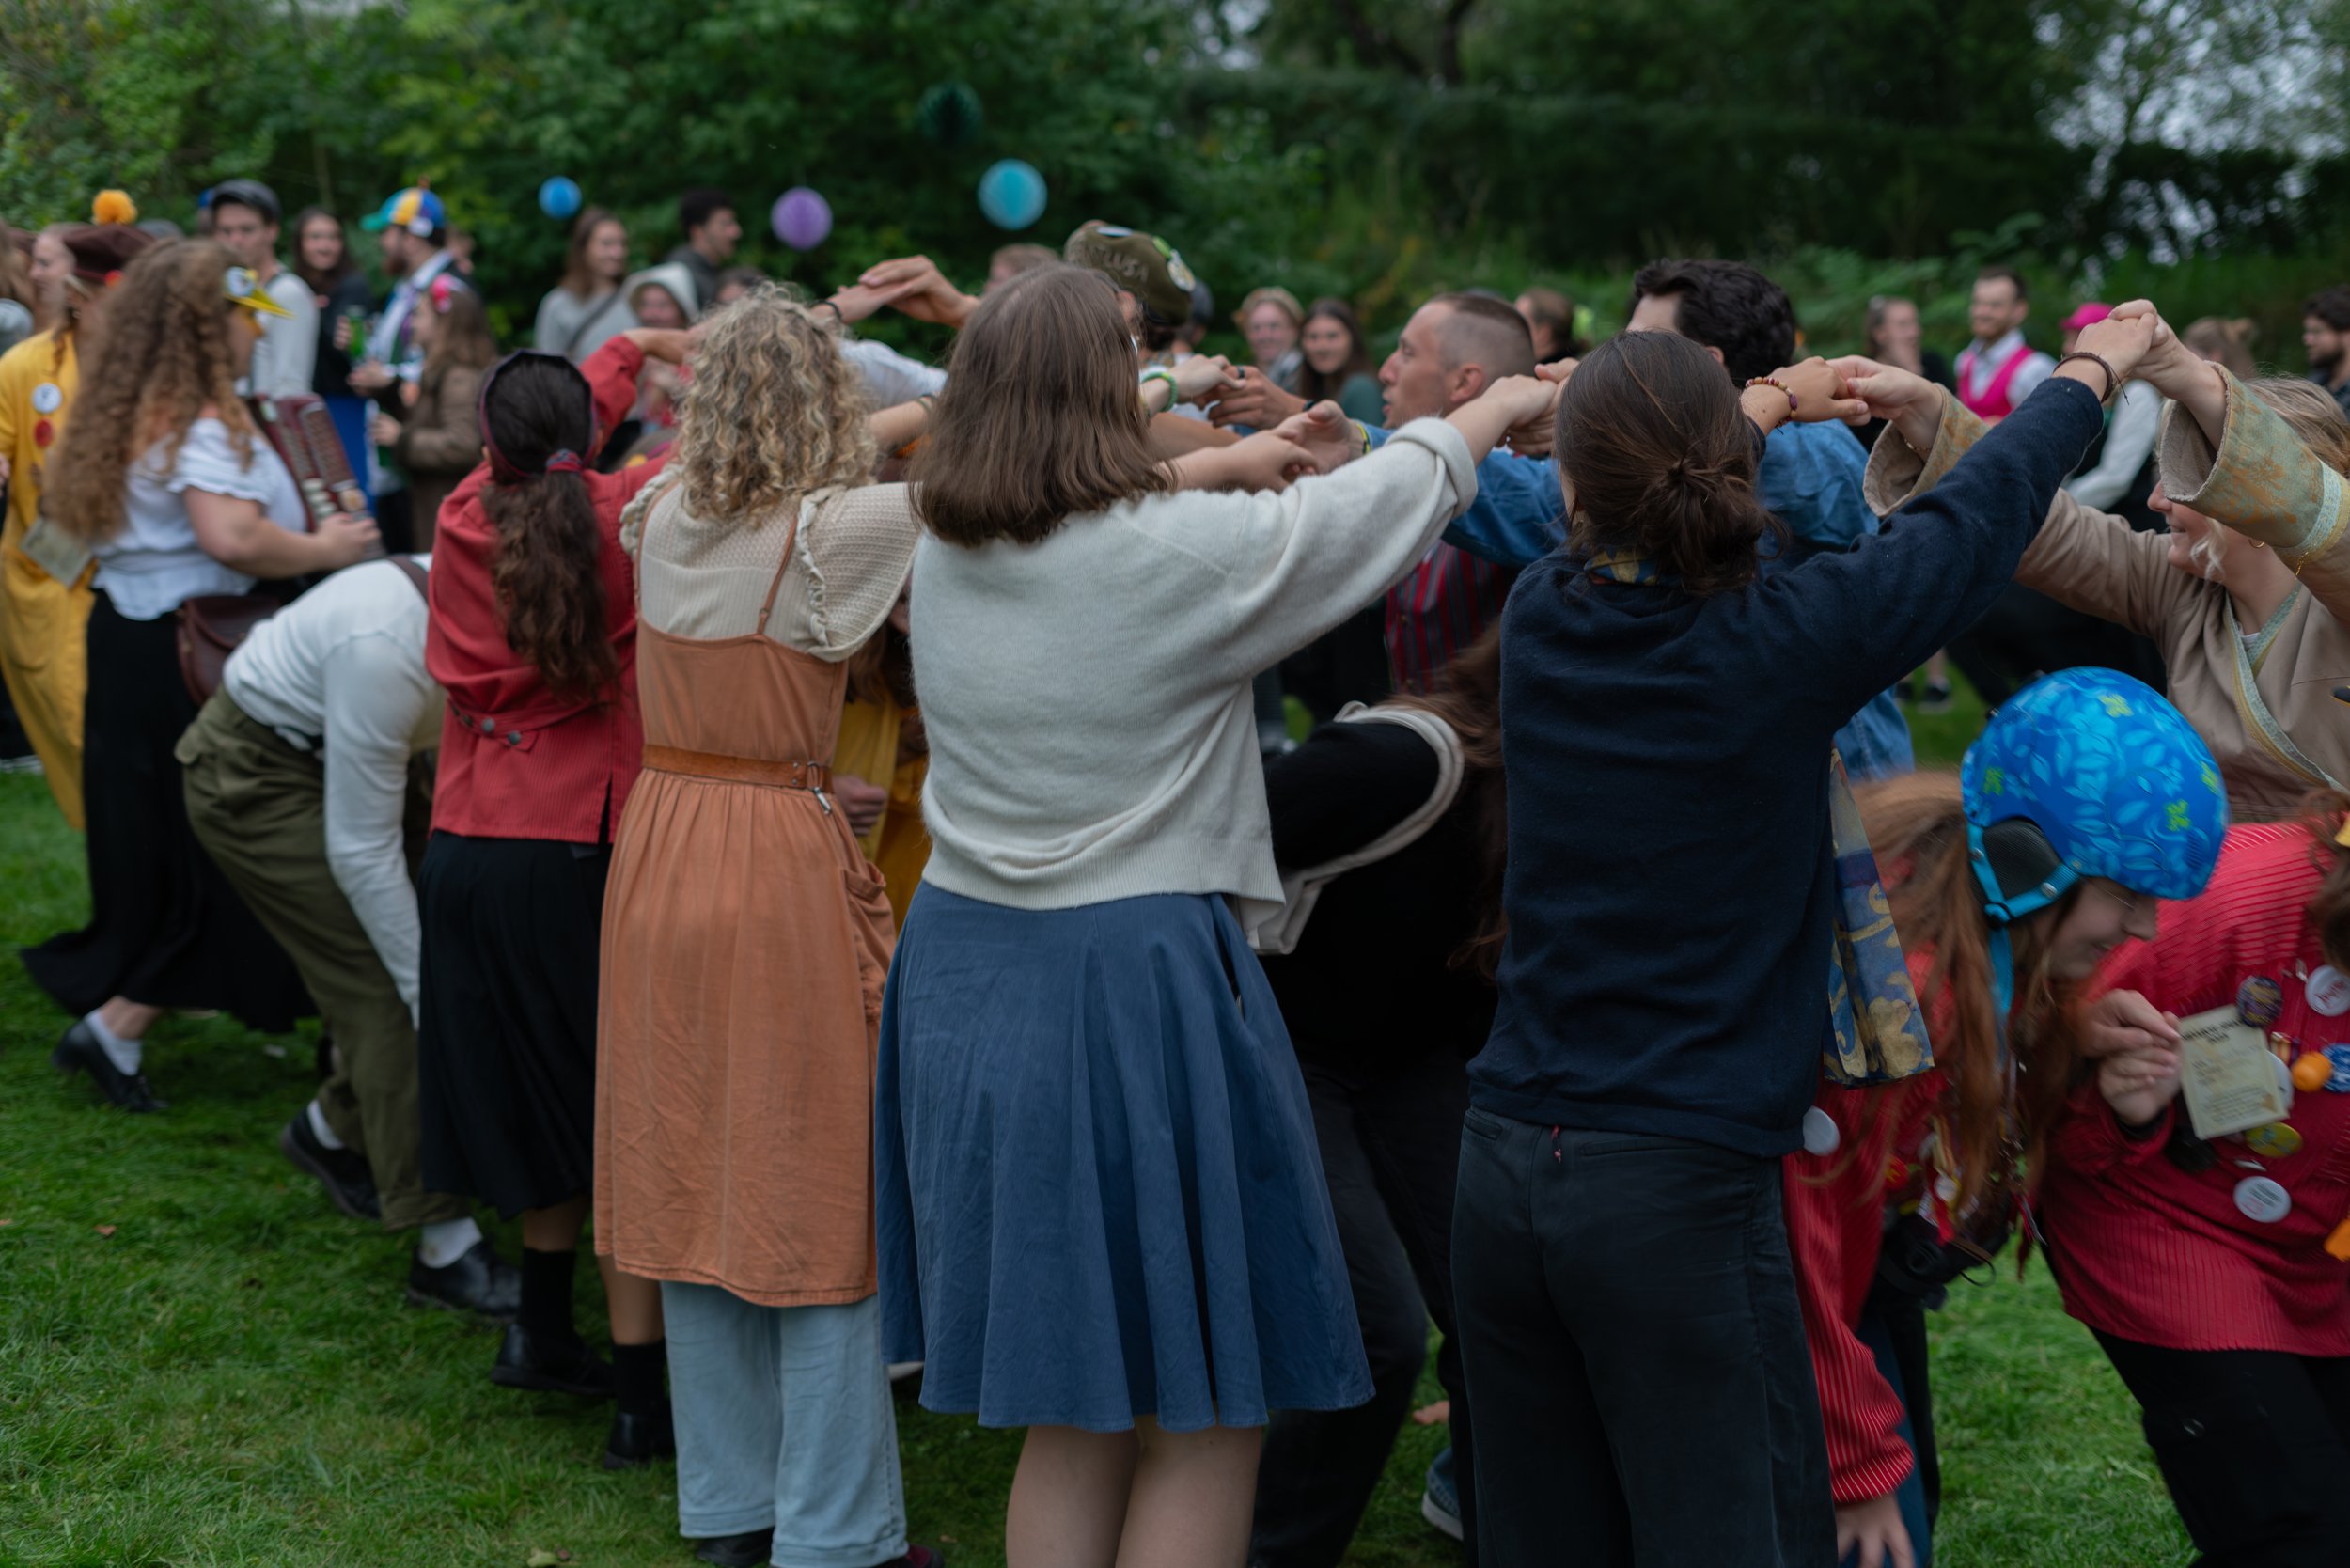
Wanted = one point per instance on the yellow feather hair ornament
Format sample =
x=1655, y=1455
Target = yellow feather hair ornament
x=114, y=207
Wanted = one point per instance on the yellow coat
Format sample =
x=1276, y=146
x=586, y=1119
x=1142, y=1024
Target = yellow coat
x=42, y=620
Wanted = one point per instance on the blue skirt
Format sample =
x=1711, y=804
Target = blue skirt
x=1097, y=1189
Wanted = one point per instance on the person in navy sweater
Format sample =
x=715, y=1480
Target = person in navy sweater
x=1630, y=1326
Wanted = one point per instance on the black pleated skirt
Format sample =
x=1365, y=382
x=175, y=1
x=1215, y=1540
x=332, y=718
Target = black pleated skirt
x=506, y=1055
x=165, y=926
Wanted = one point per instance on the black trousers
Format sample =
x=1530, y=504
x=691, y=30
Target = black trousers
x=1635, y=1349
x=2254, y=1446
x=1390, y=1147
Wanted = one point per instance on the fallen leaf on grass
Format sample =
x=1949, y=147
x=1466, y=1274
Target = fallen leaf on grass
x=105, y=1229
x=541, y=1557
x=6, y=1223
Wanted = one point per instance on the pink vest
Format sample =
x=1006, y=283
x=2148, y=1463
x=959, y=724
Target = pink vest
x=1992, y=402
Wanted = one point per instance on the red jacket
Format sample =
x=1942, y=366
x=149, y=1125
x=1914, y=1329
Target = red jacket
x=1834, y=1229
x=516, y=762
x=2142, y=1249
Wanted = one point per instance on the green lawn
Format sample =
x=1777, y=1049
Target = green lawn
x=202, y=1363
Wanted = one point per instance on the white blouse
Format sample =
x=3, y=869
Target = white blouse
x=154, y=564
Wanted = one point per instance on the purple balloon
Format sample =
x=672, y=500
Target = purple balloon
x=801, y=218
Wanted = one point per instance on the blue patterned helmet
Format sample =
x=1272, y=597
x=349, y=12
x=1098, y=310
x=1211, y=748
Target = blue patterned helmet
x=2090, y=774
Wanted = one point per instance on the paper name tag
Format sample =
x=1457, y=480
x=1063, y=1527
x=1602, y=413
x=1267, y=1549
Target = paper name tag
x=55, y=552
x=2227, y=1075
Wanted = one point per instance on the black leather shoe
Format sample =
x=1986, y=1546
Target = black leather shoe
x=751, y=1550
x=78, y=1051
x=640, y=1439
x=563, y=1366
x=479, y=1282
x=349, y=1183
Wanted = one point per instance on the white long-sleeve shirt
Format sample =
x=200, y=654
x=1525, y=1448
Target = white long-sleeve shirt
x=1087, y=698
x=2129, y=442
x=341, y=670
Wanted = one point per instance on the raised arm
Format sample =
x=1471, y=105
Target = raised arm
x=1302, y=561
x=2089, y=560
x=2233, y=458
x=1871, y=615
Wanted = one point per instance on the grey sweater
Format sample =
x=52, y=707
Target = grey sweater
x=1086, y=698
x=562, y=313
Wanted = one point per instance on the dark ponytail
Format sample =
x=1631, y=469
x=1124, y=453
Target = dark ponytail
x=1662, y=462
x=546, y=569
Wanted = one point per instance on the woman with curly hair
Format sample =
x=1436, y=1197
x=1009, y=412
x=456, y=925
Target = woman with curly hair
x=164, y=478
x=746, y=939
x=533, y=637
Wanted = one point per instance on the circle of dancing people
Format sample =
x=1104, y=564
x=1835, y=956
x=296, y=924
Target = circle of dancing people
x=817, y=814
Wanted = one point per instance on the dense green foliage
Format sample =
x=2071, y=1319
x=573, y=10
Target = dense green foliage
x=1373, y=148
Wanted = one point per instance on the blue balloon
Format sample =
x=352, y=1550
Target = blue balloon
x=559, y=196
x=1012, y=193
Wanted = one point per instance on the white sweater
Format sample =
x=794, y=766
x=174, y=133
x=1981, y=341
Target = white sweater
x=1086, y=698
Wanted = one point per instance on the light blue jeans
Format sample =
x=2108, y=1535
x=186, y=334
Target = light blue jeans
x=784, y=1418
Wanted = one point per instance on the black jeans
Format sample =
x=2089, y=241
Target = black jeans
x=1635, y=1351
x=2254, y=1446
x=1390, y=1143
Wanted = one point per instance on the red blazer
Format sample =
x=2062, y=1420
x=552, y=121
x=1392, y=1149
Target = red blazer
x=2147, y=1251
x=1834, y=1229
x=516, y=762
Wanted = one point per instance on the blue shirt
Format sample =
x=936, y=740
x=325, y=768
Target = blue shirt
x=1809, y=477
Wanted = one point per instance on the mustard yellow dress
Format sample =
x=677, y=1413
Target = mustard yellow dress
x=42, y=620
x=898, y=845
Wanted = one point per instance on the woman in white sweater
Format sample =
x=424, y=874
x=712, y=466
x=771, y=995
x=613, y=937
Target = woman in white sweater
x=1101, y=1214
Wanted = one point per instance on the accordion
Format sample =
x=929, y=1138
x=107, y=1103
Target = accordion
x=303, y=432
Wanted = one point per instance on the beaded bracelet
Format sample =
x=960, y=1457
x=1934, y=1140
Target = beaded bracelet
x=1793, y=402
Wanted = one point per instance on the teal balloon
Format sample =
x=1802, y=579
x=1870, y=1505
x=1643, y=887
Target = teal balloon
x=559, y=196
x=1012, y=193
x=948, y=113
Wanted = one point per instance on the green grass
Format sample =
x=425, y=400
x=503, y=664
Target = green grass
x=201, y=1363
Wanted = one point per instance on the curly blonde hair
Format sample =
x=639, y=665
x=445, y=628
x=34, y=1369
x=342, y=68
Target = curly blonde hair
x=160, y=354
x=773, y=411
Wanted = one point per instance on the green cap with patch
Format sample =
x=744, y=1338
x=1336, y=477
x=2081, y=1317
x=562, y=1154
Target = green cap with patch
x=1143, y=265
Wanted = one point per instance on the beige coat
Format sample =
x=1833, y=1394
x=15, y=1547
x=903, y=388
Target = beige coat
x=2261, y=480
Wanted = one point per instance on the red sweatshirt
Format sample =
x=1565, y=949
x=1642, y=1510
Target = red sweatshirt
x=2146, y=1251
x=517, y=761
x=1836, y=1229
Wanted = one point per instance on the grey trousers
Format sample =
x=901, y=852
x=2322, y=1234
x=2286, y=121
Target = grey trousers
x=784, y=1418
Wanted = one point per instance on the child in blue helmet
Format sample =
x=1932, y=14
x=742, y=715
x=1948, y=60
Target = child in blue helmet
x=2087, y=800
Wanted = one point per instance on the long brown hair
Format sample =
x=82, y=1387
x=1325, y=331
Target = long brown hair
x=1312, y=385
x=464, y=338
x=14, y=283
x=1040, y=420
x=579, y=277
x=321, y=281
x=158, y=357
x=1467, y=697
x=1661, y=461
x=546, y=568
x=1917, y=825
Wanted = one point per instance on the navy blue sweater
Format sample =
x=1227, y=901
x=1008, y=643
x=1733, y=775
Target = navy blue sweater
x=1669, y=882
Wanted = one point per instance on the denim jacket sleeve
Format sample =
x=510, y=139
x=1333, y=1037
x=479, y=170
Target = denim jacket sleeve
x=1519, y=516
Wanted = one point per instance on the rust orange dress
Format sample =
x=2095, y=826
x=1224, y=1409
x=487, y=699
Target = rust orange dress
x=745, y=942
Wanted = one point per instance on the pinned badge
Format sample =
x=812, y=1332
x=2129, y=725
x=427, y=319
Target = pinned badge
x=2275, y=1141
x=48, y=398
x=1820, y=1135
x=2260, y=1001
x=2339, y=1057
x=2329, y=990
x=2263, y=1200
x=44, y=432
